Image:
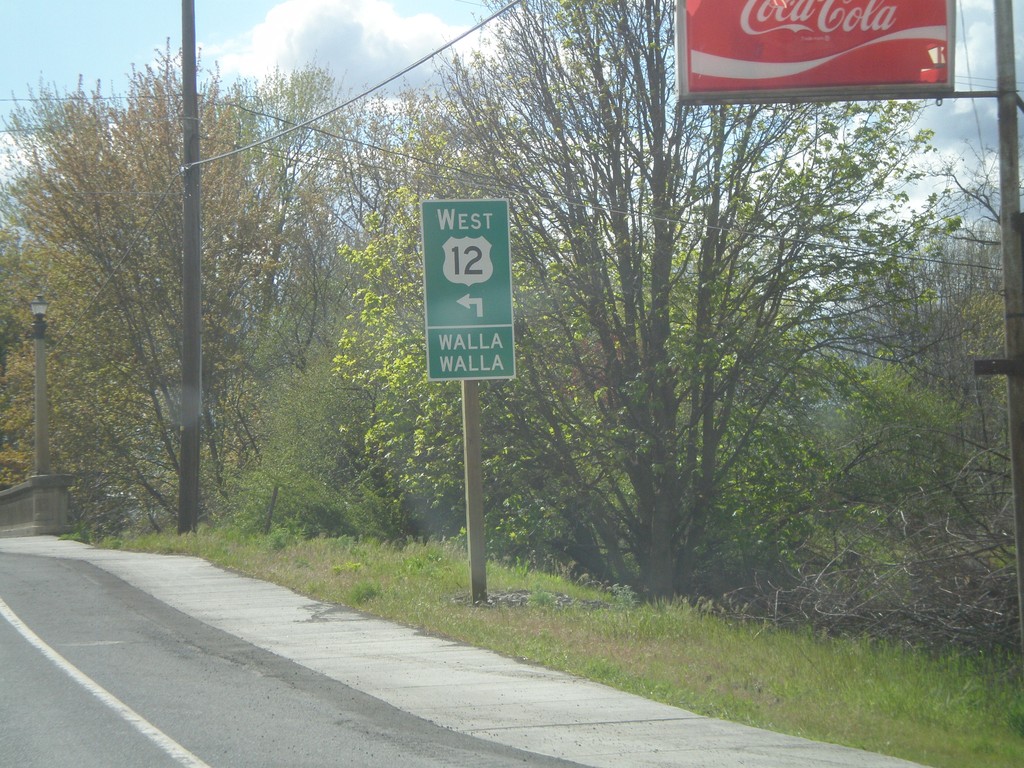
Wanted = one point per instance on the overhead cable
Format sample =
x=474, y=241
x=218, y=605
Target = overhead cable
x=365, y=93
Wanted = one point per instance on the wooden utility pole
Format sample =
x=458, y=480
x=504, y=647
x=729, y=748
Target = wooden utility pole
x=191, y=282
x=1013, y=272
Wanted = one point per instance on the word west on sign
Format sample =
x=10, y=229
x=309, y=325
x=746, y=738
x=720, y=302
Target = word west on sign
x=467, y=287
x=803, y=50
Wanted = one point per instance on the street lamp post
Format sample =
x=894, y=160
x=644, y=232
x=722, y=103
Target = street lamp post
x=42, y=452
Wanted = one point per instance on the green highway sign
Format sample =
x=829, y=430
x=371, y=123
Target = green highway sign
x=467, y=289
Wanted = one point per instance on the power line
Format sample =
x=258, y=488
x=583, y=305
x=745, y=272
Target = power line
x=441, y=171
x=128, y=251
x=497, y=185
x=367, y=92
x=59, y=99
x=970, y=79
x=472, y=176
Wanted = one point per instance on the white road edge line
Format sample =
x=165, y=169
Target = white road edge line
x=133, y=718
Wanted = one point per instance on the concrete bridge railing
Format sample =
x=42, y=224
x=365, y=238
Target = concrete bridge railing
x=36, y=507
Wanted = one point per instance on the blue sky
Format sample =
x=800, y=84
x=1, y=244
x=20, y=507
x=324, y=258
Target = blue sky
x=360, y=41
x=57, y=40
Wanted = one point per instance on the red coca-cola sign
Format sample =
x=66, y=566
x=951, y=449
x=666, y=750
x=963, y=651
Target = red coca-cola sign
x=759, y=50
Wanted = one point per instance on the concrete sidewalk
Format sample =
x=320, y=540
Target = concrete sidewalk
x=453, y=685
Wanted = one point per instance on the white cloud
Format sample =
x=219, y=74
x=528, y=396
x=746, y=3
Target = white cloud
x=9, y=156
x=361, y=42
x=964, y=126
x=966, y=129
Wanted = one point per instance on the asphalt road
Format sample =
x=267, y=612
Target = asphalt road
x=94, y=672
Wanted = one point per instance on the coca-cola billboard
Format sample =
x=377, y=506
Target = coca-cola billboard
x=784, y=50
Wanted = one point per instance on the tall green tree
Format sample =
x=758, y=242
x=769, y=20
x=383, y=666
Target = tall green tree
x=19, y=283
x=684, y=271
x=369, y=162
x=912, y=535
x=96, y=200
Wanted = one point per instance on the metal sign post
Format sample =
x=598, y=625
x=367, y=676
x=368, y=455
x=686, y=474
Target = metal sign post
x=475, y=537
x=467, y=290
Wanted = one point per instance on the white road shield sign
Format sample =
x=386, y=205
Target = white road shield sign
x=467, y=260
